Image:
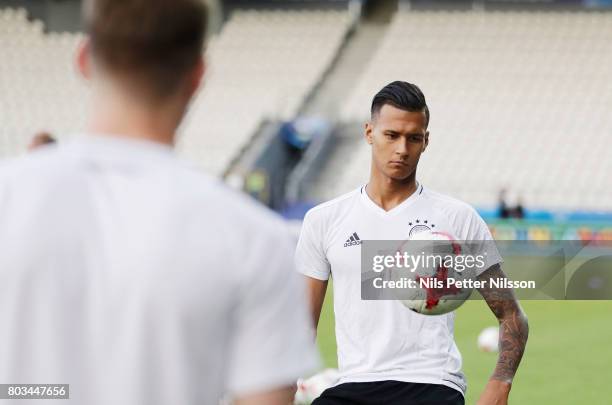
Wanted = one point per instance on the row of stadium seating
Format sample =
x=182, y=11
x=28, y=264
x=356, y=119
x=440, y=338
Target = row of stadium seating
x=262, y=64
x=518, y=100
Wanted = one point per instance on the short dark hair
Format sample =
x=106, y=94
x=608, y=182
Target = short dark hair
x=40, y=139
x=402, y=95
x=154, y=41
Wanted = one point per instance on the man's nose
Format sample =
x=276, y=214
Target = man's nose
x=402, y=148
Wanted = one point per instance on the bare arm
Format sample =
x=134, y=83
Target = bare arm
x=316, y=295
x=513, y=332
x=281, y=396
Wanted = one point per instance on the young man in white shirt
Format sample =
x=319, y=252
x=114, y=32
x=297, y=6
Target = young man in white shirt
x=124, y=272
x=388, y=354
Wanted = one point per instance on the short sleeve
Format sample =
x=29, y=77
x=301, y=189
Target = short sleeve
x=273, y=342
x=481, y=241
x=310, y=258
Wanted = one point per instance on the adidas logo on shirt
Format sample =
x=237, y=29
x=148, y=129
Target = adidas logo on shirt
x=353, y=240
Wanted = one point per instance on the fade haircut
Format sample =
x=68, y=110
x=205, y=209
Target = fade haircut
x=152, y=43
x=403, y=95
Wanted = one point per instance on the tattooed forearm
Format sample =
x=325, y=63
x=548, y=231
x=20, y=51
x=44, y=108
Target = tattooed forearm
x=513, y=330
x=512, y=340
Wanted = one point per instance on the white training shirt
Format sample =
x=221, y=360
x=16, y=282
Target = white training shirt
x=384, y=340
x=138, y=280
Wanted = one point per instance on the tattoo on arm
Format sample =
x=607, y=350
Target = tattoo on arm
x=513, y=326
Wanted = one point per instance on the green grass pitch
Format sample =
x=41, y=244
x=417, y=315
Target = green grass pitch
x=567, y=361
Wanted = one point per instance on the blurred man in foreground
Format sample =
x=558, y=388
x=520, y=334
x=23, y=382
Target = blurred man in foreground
x=124, y=272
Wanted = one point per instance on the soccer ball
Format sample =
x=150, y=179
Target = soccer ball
x=438, y=286
x=488, y=340
x=311, y=388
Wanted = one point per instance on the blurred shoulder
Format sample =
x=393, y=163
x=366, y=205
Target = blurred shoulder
x=221, y=202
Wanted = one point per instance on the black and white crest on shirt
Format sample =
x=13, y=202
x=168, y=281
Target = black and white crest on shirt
x=353, y=240
x=420, y=225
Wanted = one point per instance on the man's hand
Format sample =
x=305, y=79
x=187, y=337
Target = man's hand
x=280, y=396
x=495, y=393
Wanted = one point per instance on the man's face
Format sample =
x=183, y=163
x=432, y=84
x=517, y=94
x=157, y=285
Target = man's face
x=398, y=138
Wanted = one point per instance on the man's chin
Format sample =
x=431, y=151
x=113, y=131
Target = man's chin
x=399, y=175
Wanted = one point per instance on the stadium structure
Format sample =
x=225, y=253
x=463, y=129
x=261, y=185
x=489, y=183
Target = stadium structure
x=520, y=94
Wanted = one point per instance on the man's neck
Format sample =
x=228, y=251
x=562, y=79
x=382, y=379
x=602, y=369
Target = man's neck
x=389, y=193
x=118, y=116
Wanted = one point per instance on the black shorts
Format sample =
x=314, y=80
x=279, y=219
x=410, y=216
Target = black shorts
x=390, y=393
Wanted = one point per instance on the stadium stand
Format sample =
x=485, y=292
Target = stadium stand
x=519, y=100
x=40, y=89
x=262, y=64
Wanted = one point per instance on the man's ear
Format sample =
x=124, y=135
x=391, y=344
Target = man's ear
x=425, y=141
x=83, y=58
x=196, y=77
x=369, y=127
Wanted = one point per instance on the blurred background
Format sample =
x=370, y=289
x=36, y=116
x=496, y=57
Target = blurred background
x=520, y=94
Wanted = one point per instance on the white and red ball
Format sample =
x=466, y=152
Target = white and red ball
x=427, y=299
